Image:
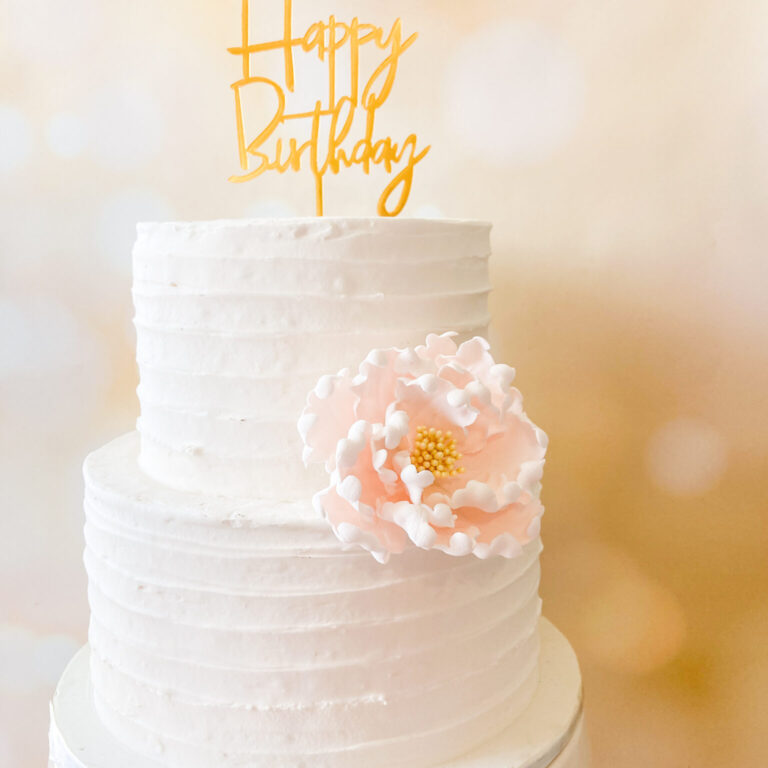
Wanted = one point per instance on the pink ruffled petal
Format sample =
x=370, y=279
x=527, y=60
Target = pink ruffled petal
x=328, y=415
x=456, y=375
x=476, y=495
x=460, y=544
x=504, y=545
x=500, y=384
x=529, y=477
x=474, y=356
x=442, y=345
x=426, y=400
x=349, y=448
x=534, y=527
x=414, y=520
x=502, y=457
x=396, y=427
x=374, y=387
x=380, y=537
x=441, y=515
x=410, y=364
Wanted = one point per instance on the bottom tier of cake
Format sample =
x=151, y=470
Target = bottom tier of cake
x=549, y=734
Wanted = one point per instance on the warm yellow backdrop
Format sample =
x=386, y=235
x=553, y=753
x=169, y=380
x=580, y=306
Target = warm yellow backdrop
x=621, y=151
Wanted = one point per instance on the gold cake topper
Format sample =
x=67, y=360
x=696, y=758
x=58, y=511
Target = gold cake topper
x=329, y=147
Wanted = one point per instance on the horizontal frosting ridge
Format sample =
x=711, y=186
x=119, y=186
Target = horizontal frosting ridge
x=223, y=307
x=212, y=598
x=240, y=632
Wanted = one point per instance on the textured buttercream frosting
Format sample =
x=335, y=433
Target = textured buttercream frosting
x=230, y=627
x=241, y=632
x=237, y=320
x=552, y=724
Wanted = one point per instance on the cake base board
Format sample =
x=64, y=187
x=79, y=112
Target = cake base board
x=549, y=734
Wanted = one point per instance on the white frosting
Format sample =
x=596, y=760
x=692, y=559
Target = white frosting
x=241, y=633
x=236, y=321
x=552, y=724
x=230, y=627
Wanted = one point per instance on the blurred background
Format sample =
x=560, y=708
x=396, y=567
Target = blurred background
x=620, y=150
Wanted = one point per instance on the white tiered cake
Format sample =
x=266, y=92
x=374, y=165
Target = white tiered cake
x=230, y=628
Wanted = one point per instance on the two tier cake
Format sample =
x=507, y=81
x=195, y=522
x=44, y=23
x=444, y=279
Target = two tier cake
x=237, y=623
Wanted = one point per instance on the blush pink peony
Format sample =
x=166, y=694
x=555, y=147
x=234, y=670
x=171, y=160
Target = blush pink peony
x=427, y=446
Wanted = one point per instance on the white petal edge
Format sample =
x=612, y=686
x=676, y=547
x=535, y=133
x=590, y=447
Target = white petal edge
x=351, y=489
x=476, y=494
x=416, y=482
x=413, y=519
x=351, y=534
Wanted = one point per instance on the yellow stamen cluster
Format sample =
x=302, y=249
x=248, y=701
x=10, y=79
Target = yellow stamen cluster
x=435, y=450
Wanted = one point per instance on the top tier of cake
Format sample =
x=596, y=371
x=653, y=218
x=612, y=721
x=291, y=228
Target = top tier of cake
x=237, y=320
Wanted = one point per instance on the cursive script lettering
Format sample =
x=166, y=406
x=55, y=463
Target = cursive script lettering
x=328, y=144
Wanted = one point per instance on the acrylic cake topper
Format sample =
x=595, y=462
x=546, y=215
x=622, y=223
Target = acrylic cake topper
x=328, y=142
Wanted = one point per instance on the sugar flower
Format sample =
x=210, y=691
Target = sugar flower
x=428, y=447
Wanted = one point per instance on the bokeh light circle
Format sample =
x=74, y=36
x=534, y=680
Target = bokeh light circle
x=15, y=138
x=67, y=135
x=7, y=756
x=44, y=337
x=52, y=368
x=29, y=660
x=686, y=457
x=128, y=126
x=631, y=622
x=51, y=32
x=514, y=93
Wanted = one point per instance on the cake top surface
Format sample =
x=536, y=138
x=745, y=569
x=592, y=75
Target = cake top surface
x=247, y=232
x=349, y=240
x=352, y=222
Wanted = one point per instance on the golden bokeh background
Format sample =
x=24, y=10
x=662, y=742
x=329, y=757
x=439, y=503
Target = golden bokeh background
x=620, y=150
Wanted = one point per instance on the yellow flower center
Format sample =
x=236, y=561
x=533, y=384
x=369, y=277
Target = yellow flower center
x=435, y=450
